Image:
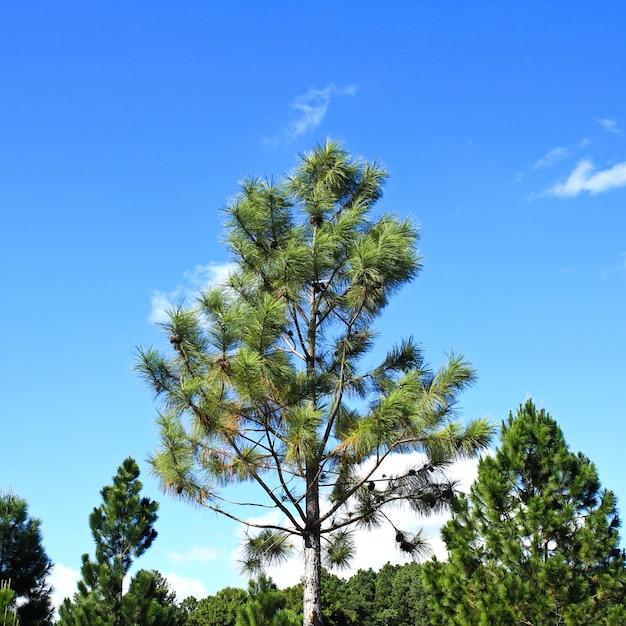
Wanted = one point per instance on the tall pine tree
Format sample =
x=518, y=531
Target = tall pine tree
x=269, y=377
x=122, y=528
x=535, y=541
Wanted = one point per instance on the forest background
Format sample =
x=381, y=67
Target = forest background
x=125, y=127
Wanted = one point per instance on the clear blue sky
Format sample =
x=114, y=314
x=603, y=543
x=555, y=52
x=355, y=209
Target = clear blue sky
x=124, y=126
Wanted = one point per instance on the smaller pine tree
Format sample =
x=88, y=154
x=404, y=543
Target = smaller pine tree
x=535, y=541
x=122, y=528
x=266, y=606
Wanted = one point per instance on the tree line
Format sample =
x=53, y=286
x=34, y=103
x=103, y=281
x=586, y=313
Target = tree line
x=272, y=378
x=534, y=541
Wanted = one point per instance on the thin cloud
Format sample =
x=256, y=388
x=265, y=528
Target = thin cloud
x=185, y=587
x=312, y=107
x=586, y=178
x=64, y=581
x=620, y=267
x=609, y=124
x=380, y=542
x=201, y=277
x=197, y=554
x=553, y=156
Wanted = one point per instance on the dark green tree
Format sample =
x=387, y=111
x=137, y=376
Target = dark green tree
x=267, y=379
x=400, y=597
x=535, y=541
x=122, y=528
x=334, y=594
x=151, y=602
x=189, y=604
x=219, y=609
x=265, y=606
x=24, y=564
x=360, y=594
x=393, y=596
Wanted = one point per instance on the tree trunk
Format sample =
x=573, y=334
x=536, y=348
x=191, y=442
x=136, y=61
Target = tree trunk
x=312, y=599
x=312, y=592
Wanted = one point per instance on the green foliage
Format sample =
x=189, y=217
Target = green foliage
x=8, y=616
x=267, y=379
x=393, y=596
x=535, y=541
x=266, y=606
x=188, y=606
x=122, y=528
x=218, y=610
x=24, y=564
x=150, y=602
x=400, y=596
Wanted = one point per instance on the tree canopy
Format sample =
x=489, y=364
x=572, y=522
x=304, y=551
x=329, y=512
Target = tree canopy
x=123, y=529
x=271, y=377
x=536, y=539
x=265, y=606
x=8, y=615
x=219, y=609
x=24, y=564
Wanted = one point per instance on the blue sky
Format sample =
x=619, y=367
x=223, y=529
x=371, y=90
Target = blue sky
x=124, y=127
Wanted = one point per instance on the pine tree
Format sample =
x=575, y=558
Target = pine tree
x=535, y=541
x=151, y=602
x=122, y=528
x=24, y=564
x=401, y=599
x=267, y=380
x=218, y=610
x=8, y=615
x=265, y=606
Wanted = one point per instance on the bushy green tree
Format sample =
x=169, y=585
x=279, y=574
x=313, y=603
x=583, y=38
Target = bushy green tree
x=400, y=597
x=392, y=596
x=8, y=615
x=266, y=606
x=334, y=593
x=219, y=609
x=535, y=541
x=24, y=564
x=122, y=528
x=269, y=378
x=361, y=595
x=151, y=602
x=336, y=611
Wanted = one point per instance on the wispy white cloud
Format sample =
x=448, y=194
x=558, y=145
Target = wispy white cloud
x=551, y=157
x=620, y=267
x=312, y=106
x=584, y=177
x=185, y=587
x=201, y=277
x=609, y=124
x=64, y=581
x=197, y=554
x=377, y=546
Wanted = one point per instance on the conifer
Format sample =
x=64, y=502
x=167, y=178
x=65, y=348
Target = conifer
x=536, y=539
